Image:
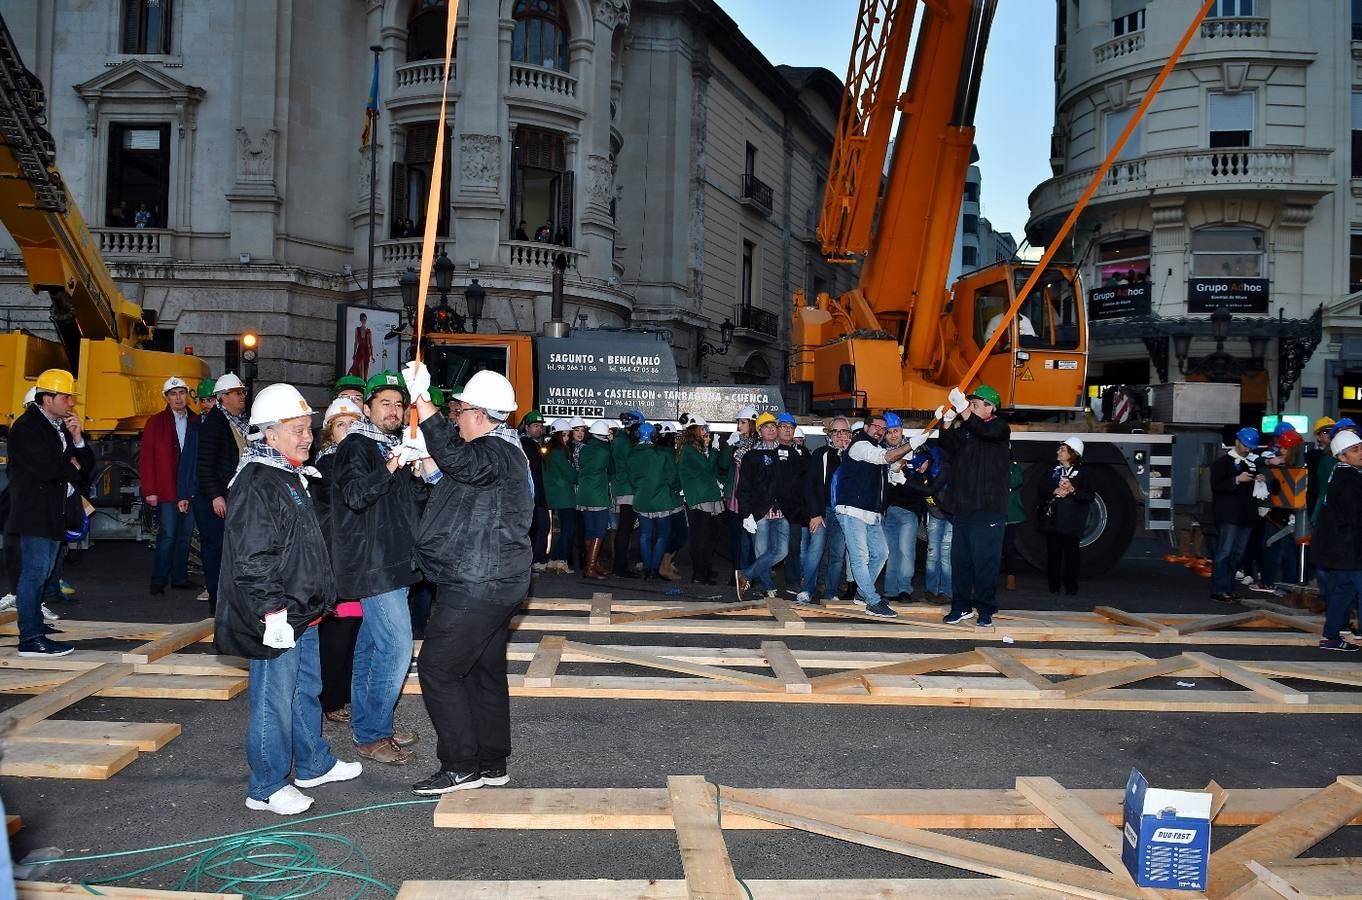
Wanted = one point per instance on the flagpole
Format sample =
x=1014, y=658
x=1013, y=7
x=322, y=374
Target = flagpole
x=373, y=171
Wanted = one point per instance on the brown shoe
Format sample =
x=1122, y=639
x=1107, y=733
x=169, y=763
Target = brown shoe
x=404, y=738
x=593, y=567
x=339, y=716
x=385, y=750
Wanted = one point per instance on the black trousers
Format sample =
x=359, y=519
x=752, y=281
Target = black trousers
x=462, y=668
x=704, y=531
x=623, y=532
x=1061, y=562
x=539, y=534
x=1011, y=558
x=336, y=646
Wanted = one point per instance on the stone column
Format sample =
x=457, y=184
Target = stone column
x=596, y=168
x=254, y=200
x=477, y=189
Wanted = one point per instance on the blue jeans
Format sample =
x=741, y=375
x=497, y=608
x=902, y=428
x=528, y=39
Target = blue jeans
x=211, y=530
x=938, y=555
x=1229, y=549
x=52, y=588
x=866, y=552
x=38, y=556
x=382, y=659
x=653, y=534
x=172, y=545
x=815, y=543
x=1340, y=589
x=567, y=533
x=900, y=534
x=594, y=522
x=285, y=728
x=976, y=555
x=794, y=555
x=769, y=546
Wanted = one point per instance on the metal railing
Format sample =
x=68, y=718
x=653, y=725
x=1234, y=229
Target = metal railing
x=759, y=320
x=757, y=194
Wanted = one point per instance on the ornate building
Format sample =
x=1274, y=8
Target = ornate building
x=215, y=148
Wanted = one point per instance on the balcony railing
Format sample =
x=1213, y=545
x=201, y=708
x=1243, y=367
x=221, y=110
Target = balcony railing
x=422, y=75
x=537, y=255
x=401, y=252
x=1115, y=48
x=133, y=243
x=757, y=194
x=1234, y=27
x=539, y=81
x=758, y=320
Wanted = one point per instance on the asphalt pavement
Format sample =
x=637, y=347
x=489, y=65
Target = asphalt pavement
x=194, y=787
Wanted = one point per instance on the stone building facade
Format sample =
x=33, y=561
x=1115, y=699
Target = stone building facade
x=215, y=150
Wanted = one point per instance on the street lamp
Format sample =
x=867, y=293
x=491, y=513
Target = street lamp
x=1220, y=365
x=1220, y=328
x=446, y=319
x=409, y=286
x=474, y=295
x=725, y=337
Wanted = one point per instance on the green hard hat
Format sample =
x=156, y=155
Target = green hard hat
x=205, y=389
x=385, y=380
x=987, y=394
x=437, y=396
x=347, y=382
x=531, y=417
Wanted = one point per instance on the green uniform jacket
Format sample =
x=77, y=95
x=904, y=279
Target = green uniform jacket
x=594, y=466
x=1015, y=511
x=620, y=447
x=699, y=475
x=726, y=468
x=656, y=485
x=560, y=481
x=1323, y=472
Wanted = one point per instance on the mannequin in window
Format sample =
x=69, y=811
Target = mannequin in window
x=1024, y=328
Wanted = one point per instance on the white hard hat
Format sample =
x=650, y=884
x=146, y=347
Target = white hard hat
x=488, y=390
x=559, y=425
x=1342, y=441
x=31, y=396
x=342, y=406
x=697, y=422
x=1074, y=444
x=799, y=431
x=172, y=383
x=668, y=428
x=277, y=403
x=576, y=422
x=228, y=382
x=857, y=426
x=747, y=412
x=600, y=429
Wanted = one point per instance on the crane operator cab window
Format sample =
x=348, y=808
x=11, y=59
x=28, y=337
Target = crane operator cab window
x=1051, y=309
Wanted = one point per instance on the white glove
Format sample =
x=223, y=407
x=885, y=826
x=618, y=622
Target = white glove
x=916, y=441
x=734, y=438
x=278, y=632
x=749, y=525
x=940, y=413
x=417, y=377
x=1260, y=491
x=896, y=476
x=958, y=400
x=413, y=448
x=948, y=418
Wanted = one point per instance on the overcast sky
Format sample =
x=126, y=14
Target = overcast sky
x=1016, y=103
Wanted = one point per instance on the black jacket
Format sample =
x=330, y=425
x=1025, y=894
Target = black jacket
x=1337, y=541
x=39, y=473
x=476, y=525
x=819, y=468
x=980, y=460
x=535, y=454
x=218, y=454
x=930, y=488
x=273, y=557
x=320, y=488
x=373, y=520
x=1232, y=503
x=1068, y=515
x=772, y=478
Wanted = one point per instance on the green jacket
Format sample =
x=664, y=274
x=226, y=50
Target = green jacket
x=620, y=447
x=656, y=485
x=594, y=466
x=726, y=468
x=1324, y=470
x=699, y=474
x=1015, y=511
x=560, y=481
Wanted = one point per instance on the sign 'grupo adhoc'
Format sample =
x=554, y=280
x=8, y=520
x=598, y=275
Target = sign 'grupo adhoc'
x=600, y=374
x=1237, y=295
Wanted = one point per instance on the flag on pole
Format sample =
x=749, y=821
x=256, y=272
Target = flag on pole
x=371, y=111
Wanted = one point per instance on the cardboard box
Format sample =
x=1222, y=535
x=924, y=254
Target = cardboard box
x=1167, y=836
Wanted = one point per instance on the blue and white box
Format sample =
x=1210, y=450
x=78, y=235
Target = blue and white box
x=1167, y=836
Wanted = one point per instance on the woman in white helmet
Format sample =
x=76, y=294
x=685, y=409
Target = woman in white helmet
x=1063, y=516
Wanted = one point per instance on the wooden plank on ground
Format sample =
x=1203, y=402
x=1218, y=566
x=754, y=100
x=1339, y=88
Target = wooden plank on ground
x=1232, y=671
x=1216, y=623
x=58, y=698
x=911, y=667
x=1349, y=675
x=940, y=848
x=765, y=682
x=145, y=736
x=787, y=669
x=686, y=612
x=1078, y=820
x=1284, y=837
x=178, y=638
x=762, y=889
x=544, y=665
x=40, y=890
x=784, y=613
x=601, y=602
x=704, y=855
x=1307, y=879
x=1219, y=797
x=1010, y=666
x=31, y=759
x=1134, y=619
x=1087, y=684
x=1311, y=626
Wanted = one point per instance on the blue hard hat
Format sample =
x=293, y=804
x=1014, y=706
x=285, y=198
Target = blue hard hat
x=1282, y=428
x=892, y=420
x=76, y=534
x=1248, y=437
x=785, y=419
x=645, y=431
x=631, y=417
x=1342, y=425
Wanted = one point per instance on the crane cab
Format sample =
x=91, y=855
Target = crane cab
x=1040, y=363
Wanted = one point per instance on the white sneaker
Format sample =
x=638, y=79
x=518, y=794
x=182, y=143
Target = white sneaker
x=538, y=568
x=48, y=614
x=341, y=771
x=287, y=801
x=203, y=597
x=8, y=602
x=802, y=597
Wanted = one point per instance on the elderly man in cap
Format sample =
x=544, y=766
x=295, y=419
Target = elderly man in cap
x=278, y=586
x=163, y=440
x=473, y=542
x=222, y=440
x=48, y=461
x=375, y=505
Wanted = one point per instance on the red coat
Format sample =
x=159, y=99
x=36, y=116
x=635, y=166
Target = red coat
x=159, y=462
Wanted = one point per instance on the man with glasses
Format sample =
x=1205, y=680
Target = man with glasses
x=768, y=487
x=222, y=440
x=823, y=535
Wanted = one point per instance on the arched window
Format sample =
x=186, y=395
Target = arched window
x=426, y=30
x=541, y=34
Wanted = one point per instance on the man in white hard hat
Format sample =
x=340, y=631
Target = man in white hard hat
x=1337, y=541
x=473, y=543
x=222, y=441
x=158, y=464
x=278, y=585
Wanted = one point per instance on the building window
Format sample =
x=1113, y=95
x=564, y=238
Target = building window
x=1354, y=263
x=1123, y=261
x=411, y=180
x=749, y=251
x=1125, y=19
x=971, y=224
x=138, y=183
x=1357, y=20
x=1230, y=119
x=426, y=30
x=969, y=257
x=146, y=26
x=750, y=161
x=541, y=34
x=1114, y=122
x=1356, y=163
x=1228, y=8
x=1227, y=252
x=541, y=188
x=971, y=192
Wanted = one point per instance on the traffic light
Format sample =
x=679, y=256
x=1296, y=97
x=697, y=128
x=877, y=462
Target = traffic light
x=250, y=351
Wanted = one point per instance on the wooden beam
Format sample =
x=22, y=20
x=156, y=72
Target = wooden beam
x=178, y=638
x=785, y=614
x=1215, y=623
x=762, y=889
x=1087, y=684
x=1312, y=879
x=145, y=736
x=58, y=698
x=787, y=669
x=1133, y=619
x=1310, y=626
x=686, y=612
x=1277, y=693
x=1077, y=819
x=704, y=855
x=1010, y=666
x=30, y=759
x=601, y=602
x=41, y=890
x=912, y=667
x=764, y=682
x=545, y=662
